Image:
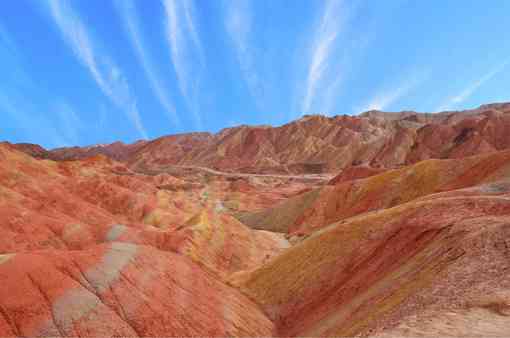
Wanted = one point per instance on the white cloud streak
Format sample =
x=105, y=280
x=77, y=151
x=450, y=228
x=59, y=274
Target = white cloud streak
x=238, y=24
x=454, y=101
x=185, y=49
x=332, y=22
x=385, y=98
x=33, y=125
x=13, y=58
x=128, y=13
x=107, y=75
x=69, y=121
x=14, y=104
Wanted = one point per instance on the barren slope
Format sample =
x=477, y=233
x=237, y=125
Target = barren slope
x=371, y=270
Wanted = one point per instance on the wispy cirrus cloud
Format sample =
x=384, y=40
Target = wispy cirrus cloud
x=128, y=13
x=69, y=120
x=56, y=132
x=12, y=59
x=185, y=49
x=454, y=101
x=32, y=123
x=105, y=72
x=333, y=20
x=238, y=24
x=383, y=99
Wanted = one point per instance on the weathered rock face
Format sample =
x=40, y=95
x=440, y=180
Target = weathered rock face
x=315, y=143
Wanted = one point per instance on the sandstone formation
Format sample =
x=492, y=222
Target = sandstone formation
x=383, y=224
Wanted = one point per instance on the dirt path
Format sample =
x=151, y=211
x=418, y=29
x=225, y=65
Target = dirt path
x=307, y=177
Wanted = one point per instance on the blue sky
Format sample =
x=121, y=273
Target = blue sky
x=92, y=71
